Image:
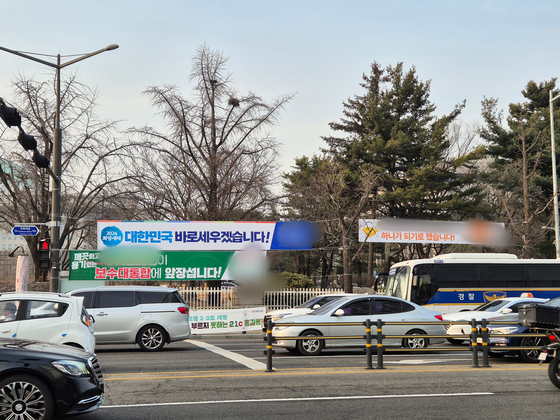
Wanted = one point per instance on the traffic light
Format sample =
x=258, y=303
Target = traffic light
x=40, y=160
x=11, y=118
x=45, y=253
x=9, y=115
x=28, y=142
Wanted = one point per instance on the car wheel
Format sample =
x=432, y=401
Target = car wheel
x=25, y=397
x=455, y=342
x=531, y=356
x=310, y=346
x=151, y=338
x=416, y=342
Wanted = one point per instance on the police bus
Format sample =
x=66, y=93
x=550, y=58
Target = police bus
x=454, y=282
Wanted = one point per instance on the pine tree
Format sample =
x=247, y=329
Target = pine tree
x=520, y=173
x=393, y=129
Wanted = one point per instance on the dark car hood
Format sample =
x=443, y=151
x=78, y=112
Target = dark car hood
x=42, y=347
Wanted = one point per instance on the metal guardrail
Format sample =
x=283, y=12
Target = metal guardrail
x=478, y=339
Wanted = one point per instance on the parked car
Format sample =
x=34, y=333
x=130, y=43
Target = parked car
x=493, y=309
x=495, y=327
x=53, y=317
x=150, y=316
x=305, y=308
x=41, y=381
x=358, y=308
x=529, y=356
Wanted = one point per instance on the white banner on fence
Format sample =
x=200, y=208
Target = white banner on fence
x=477, y=232
x=226, y=321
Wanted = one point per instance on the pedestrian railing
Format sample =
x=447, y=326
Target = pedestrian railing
x=290, y=298
x=479, y=339
x=201, y=298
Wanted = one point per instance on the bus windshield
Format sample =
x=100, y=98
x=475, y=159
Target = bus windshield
x=397, y=282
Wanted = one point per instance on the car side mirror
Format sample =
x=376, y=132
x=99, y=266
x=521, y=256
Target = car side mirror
x=507, y=311
x=316, y=306
x=339, y=312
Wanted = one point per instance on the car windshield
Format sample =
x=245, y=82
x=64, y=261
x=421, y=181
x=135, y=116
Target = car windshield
x=311, y=303
x=318, y=300
x=329, y=306
x=553, y=302
x=492, y=306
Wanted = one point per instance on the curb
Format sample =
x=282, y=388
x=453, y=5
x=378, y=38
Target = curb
x=230, y=335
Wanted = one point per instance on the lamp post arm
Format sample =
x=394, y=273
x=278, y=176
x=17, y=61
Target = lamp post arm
x=29, y=57
x=83, y=57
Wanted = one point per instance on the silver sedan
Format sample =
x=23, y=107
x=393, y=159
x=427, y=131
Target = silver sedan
x=357, y=309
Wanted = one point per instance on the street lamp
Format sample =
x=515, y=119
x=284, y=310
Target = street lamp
x=554, y=180
x=57, y=159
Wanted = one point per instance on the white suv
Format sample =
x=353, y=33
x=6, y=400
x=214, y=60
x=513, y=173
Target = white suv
x=147, y=315
x=52, y=317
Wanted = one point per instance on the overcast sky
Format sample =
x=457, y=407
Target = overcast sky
x=317, y=49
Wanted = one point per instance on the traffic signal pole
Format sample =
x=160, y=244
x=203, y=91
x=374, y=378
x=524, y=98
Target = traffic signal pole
x=57, y=160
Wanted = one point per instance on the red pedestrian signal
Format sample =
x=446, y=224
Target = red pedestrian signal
x=45, y=253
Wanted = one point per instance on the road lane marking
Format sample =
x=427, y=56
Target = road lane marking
x=236, y=357
x=350, y=397
x=300, y=372
x=421, y=361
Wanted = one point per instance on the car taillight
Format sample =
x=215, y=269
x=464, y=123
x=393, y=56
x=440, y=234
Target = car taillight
x=183, y=310
x=439, y=317
x=552, y=337
x=86, y=320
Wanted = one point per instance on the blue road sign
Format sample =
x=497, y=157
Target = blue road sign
x=25, y=230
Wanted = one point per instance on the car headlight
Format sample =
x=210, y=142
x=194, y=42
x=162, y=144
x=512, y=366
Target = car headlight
x=277, y=317
x=503, y=330
x=72, y=367
x=277, y=329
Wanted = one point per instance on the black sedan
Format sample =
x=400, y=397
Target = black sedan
x=40, y=381
x=496, y=340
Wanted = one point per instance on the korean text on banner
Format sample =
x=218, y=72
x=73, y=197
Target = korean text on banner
x=475, y=232
x=224, y=321
x=207, y=236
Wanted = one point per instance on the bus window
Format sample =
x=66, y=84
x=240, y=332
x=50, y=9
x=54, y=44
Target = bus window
x=453, y=274
x=421, y=291
x=502, y=275
x=397, y=282
x=543, y=275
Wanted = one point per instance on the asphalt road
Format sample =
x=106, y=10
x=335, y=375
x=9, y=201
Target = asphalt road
x=212, y=378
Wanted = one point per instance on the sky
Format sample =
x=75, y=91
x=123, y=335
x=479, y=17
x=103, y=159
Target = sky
x=318, y=50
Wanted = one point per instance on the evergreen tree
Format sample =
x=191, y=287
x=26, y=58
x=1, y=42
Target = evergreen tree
x=393, y=129
x=520, y=176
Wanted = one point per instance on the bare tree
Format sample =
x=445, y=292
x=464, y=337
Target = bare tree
x=92, y=163
x=327, y=191
x=216, y=160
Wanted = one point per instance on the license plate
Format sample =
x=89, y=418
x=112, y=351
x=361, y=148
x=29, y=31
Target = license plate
x=542, y=356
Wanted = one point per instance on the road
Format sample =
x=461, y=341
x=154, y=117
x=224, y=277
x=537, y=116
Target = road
x=225, y=378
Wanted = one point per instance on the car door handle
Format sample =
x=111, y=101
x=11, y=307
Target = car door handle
x=101, y=314
x=6, y=331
